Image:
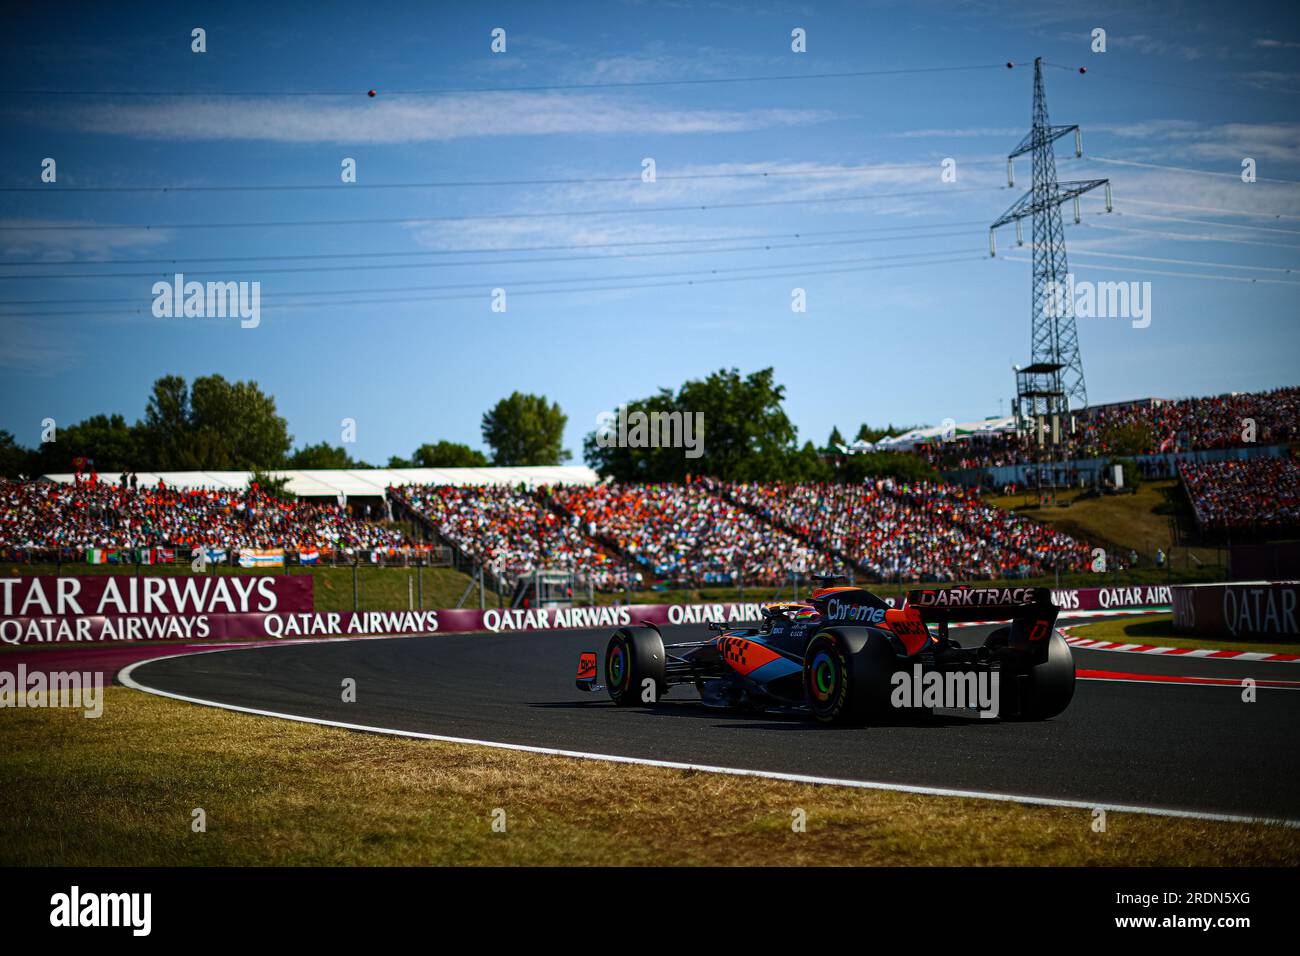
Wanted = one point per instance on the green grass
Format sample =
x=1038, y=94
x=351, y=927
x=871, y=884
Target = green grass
x=121, y=790
x=378, y=588
x=1141, y=522
x=1158, y=629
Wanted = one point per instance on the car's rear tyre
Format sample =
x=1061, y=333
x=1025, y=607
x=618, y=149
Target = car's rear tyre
x=846, y=676
x=1041, y=691
x=635, y=663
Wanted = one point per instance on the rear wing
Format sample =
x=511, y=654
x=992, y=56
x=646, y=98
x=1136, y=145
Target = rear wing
x=1030, y=611
x=942, y=605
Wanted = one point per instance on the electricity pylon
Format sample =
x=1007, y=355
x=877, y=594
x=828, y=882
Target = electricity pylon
x=1055, y=374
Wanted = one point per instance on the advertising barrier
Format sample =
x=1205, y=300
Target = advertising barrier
x=1265, y=609
x=54, y=610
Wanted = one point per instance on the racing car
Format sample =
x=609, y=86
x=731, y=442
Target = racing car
x=840, y=655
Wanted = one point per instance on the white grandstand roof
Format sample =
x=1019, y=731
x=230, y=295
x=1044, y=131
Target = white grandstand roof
x=362, y=482
x=917, y=435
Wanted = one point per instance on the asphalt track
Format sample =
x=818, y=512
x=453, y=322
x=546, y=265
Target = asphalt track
x=1167, y=746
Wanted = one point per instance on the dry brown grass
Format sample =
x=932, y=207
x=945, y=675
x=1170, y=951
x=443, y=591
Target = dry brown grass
x=120, y=790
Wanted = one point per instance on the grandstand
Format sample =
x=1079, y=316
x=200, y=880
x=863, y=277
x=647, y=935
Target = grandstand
x=1260, y=495
x=611, y=536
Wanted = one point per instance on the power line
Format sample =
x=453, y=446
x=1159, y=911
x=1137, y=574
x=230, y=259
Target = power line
x=1188, y=237
x=549, y=87
x=1206, y=222
x=1185, y=169
x=527, y=282
x=291, y=270
x=1179, y=275
x=1219, y=209
x=1186, y=262
x=530, y=292
x=632, y=179
x=702, y=207
x=485, y=249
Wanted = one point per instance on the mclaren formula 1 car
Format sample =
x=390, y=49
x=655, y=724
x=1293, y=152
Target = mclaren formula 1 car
x=847, y=656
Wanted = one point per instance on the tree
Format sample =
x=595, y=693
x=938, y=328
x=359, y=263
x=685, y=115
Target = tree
x=216, y=424
x=887, y=464
x=16, y=460
x=525, y=430
x=243, y=419
x=166, y=425
x=746, y=433
x=873, y=435
x=835, y=440
x=106, y=440
x=321, y=455
x=448, y=454
x=273, y=486
x=807, y=464
x=1133, y=438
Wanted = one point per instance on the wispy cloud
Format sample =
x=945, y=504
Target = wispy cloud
x=17, y=242
x=1180, y=139
x=409, y=119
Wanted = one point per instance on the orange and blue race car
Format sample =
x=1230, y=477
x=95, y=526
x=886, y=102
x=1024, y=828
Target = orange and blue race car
x=847, y=656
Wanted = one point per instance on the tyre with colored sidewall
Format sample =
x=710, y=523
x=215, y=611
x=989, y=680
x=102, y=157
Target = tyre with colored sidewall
x=846, y=676
x=635, y=655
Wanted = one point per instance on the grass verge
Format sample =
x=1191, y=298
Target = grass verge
x=1141, y=522
x=120, y=790
x=1158, y=629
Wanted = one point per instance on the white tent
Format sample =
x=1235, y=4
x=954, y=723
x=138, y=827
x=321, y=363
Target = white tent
x=362, y=482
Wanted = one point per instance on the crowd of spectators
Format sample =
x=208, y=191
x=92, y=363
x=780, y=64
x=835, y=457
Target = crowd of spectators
x=685, y=533
x=1223, y=421
x=1192, y=424
x=913, y=532
x=1254, y=494
x=96, y=514
x=514, y=533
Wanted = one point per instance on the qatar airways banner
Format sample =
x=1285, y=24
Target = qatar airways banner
x=54, y=610
x=1266, y=609
x=122, y=607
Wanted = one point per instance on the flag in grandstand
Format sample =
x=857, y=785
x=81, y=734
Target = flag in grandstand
x=309, y=557
x=164, y=555
x=261, y=557
x=102, y=556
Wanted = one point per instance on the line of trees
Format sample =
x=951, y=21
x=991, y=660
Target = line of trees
x=216, y=425
x=747, y=437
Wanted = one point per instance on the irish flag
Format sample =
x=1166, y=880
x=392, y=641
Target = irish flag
x=102, y=556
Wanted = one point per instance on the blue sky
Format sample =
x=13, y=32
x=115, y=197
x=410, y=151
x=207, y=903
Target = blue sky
x=907, y=319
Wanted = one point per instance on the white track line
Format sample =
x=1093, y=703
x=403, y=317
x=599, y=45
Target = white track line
x=126, y=676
